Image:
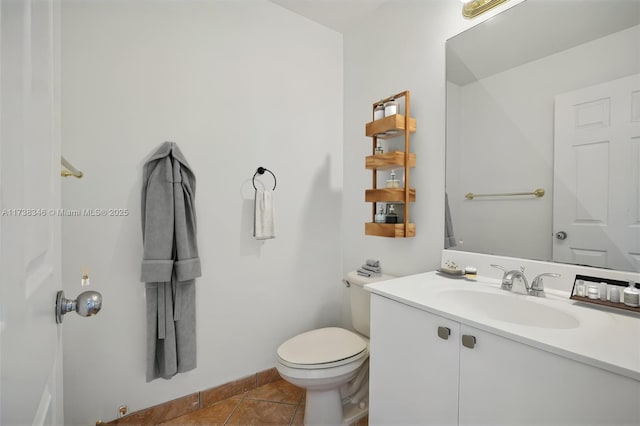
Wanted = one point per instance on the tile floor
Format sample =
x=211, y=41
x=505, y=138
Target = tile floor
x=275, y=403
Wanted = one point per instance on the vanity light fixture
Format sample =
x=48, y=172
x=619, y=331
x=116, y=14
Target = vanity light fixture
x=473, y=8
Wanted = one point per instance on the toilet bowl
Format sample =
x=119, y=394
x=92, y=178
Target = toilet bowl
x=332, y=363
x=322, y=361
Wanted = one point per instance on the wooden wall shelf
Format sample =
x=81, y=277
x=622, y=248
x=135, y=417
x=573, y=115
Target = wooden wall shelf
x=389, y=127
x=605, y=303
x=391, y=230
x=388, y=160
x=388, y=195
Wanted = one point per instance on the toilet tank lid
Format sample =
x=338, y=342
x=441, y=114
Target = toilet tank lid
x=354, y=279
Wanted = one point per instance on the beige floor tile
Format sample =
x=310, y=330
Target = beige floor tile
x=252, y=412
x=216, y=414
x=298, y=418
x=362, y=422
x=278, y=391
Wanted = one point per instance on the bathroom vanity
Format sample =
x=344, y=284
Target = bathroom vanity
x=447, y=351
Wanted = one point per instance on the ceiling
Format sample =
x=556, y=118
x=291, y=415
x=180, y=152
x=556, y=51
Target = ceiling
x=338, y=15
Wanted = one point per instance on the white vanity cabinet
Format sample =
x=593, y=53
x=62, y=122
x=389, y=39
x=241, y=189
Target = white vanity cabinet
x=413, y=373
x=419, y=378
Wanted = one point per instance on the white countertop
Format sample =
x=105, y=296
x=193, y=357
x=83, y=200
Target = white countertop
x=601, y=338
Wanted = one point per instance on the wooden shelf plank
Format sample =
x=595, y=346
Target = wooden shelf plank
x=389, y=127
x=390, y=195
x=388, y=160
x=391, y=230
x=605, y=303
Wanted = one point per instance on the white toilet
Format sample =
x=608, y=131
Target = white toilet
x=332, y=363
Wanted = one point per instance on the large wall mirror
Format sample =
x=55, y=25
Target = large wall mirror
x=546, y=95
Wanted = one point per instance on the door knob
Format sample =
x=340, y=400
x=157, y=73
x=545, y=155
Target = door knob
x=87, y=304
x=561, y=235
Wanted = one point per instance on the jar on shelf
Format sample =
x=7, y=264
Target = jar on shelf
x=378, y=149
x=378, y=111
x=390, y=107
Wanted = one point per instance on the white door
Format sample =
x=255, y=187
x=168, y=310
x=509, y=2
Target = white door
x=596, y=182
x=30, y=340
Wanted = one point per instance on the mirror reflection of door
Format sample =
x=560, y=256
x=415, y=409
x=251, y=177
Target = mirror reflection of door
x=596, y=181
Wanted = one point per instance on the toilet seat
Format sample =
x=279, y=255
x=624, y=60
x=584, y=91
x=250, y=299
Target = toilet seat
x=322, y=348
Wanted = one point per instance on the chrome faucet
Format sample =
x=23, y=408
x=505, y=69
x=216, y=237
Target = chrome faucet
x=535, y=289
x=510, y=276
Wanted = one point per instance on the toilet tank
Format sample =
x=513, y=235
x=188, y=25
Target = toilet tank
x=360, y=299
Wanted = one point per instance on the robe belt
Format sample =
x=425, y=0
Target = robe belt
x=163, y=303
x=180, y=272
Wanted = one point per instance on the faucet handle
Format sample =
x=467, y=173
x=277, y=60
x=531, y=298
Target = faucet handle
x=507, y=283
x=537, y=286
x=538, y=279
x=493, y=265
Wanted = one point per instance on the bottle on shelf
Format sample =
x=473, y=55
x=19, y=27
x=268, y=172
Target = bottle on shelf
x=391, y=216
x=631, y=295
x=393, y=182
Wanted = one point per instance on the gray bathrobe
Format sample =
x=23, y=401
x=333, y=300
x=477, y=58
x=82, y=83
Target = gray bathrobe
x=171, y=263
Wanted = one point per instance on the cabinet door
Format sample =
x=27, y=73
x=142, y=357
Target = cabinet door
x=503, y=382
x=413, y=372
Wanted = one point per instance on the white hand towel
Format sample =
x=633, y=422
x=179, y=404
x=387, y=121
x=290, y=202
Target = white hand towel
x=264, y=215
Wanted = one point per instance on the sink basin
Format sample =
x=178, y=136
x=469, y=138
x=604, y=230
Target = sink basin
x=503, y=306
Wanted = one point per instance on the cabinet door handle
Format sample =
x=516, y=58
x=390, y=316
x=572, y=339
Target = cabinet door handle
x=468, y=341
x=444, y=332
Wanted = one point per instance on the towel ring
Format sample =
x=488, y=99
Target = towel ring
x=261, y=171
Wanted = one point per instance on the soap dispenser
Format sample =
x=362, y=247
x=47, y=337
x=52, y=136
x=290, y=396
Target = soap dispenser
x=392, y=216
x=392, y=182
x=632, y=295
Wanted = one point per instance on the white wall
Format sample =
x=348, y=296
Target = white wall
x=237, y=85
x=505, y=131
x=400, y=47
